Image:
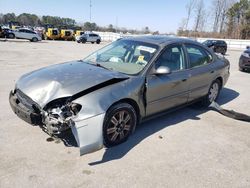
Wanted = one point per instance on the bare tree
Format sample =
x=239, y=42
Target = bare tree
x=226, y=5
x=220, y=8
x=199, y=14
x=190, y=8
x=217, y=7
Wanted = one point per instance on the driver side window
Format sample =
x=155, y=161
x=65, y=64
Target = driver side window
x=172, y=57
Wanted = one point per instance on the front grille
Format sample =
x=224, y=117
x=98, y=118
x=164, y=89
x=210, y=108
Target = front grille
x=26, y=101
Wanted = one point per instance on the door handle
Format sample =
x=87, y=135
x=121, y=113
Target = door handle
x=184, y=80
x=212, y=72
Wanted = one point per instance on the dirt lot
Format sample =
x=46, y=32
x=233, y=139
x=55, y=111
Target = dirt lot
x=188, y=148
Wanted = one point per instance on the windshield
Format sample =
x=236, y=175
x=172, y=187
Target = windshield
x=207, y=42
x=125, y=56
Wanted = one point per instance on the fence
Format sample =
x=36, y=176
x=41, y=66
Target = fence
x=232, y=43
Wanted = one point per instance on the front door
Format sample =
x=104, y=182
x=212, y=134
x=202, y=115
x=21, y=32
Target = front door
x=168, y=90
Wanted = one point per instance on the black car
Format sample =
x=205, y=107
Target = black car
x=218, y=46
x=244, y=63
x=4, y=32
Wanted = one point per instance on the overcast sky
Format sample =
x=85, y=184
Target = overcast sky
x=161, y=15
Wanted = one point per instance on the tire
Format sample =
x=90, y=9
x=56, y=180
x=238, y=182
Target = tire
x=84, y=40
x=98, y=41
x=11, y=36
x=34, y=39
x=119, y=123
x=213, y=93
x=92, y=42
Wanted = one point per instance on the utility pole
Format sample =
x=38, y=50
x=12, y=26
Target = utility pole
x=90, y=6
x=116, y=24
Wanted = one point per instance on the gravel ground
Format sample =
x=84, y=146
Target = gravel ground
x=187, y=148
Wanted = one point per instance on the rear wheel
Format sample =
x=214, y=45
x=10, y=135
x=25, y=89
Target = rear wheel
x=120, y=120
x=224, y=51
x=34, y=39
x=84, y=40
x=213, y=93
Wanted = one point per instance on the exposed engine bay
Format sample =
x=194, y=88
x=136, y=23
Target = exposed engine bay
x=59, y=118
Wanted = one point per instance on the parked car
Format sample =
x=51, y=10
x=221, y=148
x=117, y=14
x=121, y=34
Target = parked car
x=23, y=33
x=4, y=32
x=244, y=63
x=89, y=37
x=218, y=46
x=103, y=97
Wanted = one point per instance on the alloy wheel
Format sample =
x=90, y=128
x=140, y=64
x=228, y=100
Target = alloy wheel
x=213, y=92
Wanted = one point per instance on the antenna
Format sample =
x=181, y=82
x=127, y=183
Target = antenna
x=90, y=6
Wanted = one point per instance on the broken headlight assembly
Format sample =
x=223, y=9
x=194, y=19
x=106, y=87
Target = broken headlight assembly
x=57, y=116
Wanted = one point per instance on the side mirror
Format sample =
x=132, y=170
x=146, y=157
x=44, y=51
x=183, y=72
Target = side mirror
x=248, y=47
x=162, y=70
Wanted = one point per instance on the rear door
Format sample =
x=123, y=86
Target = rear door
x=21, y=33
x=170, y=90
x=201, y=70
x=30, y=34
x=93, y=37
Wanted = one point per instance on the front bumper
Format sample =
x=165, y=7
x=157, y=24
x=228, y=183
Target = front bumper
x=88, y=133
x=24, y=113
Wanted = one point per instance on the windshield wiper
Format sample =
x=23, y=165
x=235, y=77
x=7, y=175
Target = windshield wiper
x=95, y=64
x=99, y=65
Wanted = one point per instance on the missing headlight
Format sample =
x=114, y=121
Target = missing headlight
x=58, y=117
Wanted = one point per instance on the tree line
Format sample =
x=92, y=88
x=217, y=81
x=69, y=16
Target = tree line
x=32, y=20
x=223, y=19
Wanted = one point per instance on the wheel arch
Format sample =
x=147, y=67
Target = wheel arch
x=221, y=80
x=133, y=103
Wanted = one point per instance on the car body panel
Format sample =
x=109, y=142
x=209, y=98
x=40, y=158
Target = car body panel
x=89, y=37
x=166, y=91
x=88, y=133
x=97, y=89
x=63, y=80
x=26, y=34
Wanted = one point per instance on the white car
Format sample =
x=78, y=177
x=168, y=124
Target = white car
x=89, y=37
x=25, y=34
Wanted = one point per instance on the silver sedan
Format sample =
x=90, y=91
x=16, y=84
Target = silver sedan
x=103, y=97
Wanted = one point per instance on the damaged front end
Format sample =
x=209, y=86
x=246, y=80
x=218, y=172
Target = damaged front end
x=57, y=115
x=54, y=118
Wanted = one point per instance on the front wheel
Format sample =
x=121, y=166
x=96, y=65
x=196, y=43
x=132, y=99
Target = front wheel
x=11, y=36
x=213, y=93
x=98, y=41
x=120, y=121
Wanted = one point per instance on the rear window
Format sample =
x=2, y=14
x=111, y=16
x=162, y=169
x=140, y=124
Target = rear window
x=198, y=56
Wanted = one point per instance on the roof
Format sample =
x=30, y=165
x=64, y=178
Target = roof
x=160, y=39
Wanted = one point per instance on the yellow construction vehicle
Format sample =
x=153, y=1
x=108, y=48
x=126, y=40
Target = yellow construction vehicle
x=67, y=34
x=78, y=33
x=52, y=34
x=14, y=25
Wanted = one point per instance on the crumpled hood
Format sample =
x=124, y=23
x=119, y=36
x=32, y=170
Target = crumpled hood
x=63, y=80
